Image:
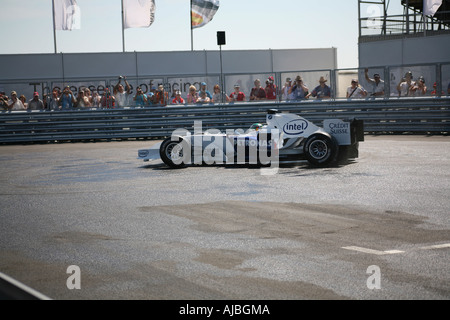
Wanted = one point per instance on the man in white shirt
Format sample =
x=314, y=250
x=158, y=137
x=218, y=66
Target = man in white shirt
x=14, y=103
x=120, y=94
x=355, y=91
x=377, y=84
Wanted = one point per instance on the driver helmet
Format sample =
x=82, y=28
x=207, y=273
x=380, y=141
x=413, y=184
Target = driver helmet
x=256, y=126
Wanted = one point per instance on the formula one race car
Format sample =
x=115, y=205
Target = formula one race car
x=286, y=136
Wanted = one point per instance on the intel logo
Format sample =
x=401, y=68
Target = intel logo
x=295, y=127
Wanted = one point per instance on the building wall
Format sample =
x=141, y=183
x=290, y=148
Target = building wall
x=135, y=64
x=405, y=51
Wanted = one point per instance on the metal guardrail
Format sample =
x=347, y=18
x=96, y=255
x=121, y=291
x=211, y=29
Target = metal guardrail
x=381, y=116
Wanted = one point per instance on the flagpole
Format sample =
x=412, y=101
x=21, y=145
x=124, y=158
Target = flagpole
x=123, y=31
x=54, y=25
x=192, y=30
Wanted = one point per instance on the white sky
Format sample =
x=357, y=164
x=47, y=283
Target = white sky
x=27, y=27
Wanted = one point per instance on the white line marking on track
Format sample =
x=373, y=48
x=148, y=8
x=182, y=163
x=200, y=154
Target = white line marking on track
x=371, y=251
x=438, y=246
x=379, y=252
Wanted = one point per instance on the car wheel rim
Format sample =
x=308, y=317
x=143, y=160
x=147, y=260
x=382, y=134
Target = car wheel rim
x=174, y=151
x=318, y=149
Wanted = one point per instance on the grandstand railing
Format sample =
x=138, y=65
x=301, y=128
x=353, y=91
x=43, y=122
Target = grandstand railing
x=381, y=116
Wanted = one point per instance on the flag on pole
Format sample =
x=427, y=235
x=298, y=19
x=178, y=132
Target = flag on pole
x=430, y=7
x=67, y=15
x=202, y=12
x=138, y=13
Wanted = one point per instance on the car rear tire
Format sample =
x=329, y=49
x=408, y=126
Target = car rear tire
x=171, y=151
x=321, y=149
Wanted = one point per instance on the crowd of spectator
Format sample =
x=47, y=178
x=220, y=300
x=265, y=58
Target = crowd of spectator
x=122, y=95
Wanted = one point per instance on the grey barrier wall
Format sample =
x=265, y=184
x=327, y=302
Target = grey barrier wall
x=178, y=63
x=380, y=116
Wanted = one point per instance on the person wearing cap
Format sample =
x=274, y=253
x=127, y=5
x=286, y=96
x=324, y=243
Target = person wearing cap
x=299, y=90
x=376, y=82
x=178, y=99
x=356, y=91
x=322, y=91
x=405, y=85
x=271, y=89
x=257, y=93
x=237, y=94
x=35, y=103
x=203, y=89
x=285, y=90
x=419, y=88
x=14, y=103
x=435, y=91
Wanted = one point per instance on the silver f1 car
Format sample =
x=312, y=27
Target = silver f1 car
x=285, y=136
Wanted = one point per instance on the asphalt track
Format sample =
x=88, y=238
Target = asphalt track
x=375, y=228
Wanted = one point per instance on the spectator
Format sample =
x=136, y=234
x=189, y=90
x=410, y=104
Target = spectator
x=237, y=95
x=140, y=98
x=405, y=85
x=356, y=91
x=83, y=100
x=434, y=92
x=52, y=102
x=24, y=101
x=151, y=96
x=120, y=94
x=88, y=95
x=271, y=89
x=299, y=90
x=192, y=95
x=376, y=82
x=36, y=103
x=203, y=88
x=161, y=96
x=67, y=99
x=322, y=91
x=419, y=88
x=96, y=99
x=14, y=103
x=178, y=99
x=108, y=100
x=257, y=93
x=3, y=101
x=203, y=97
x=218, y=95
x=285, y=90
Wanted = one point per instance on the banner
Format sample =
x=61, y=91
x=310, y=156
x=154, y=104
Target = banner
x=138, y=13
x=430, y=7
x=66, y=14
x=202, y=12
